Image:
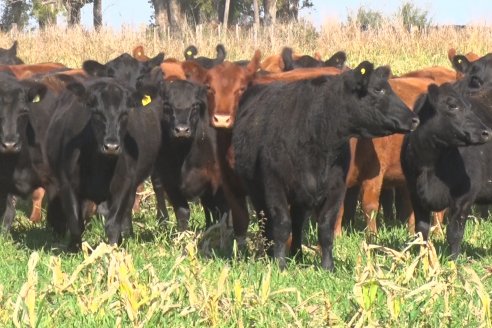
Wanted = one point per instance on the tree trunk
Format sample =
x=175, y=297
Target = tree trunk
x=257, y=12
x=73, y=9
x=270, y=11
x=97, y=14
x=176, y=16
x=160, y=9
x=226, y=12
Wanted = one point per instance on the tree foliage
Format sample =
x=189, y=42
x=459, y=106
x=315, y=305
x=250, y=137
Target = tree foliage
x=411, y=15
x=366, y=19
x=14, y=12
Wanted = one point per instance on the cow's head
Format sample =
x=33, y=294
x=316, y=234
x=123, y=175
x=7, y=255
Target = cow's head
x=109, y=103
x=16, y=99
x=476, y=75
x=450, y=117
x=184, y=106
x=375, y=109
x=226, y=84
x=124, y=68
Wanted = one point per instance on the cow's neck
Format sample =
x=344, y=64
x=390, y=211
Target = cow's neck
x=426, y=145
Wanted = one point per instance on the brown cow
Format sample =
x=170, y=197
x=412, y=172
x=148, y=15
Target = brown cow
x=437, y=74
x=26, y=71
x=226, y=83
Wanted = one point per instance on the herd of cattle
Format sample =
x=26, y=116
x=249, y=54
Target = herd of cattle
x=297, y=135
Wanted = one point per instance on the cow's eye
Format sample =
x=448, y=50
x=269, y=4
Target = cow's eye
x=475, y=82
x=453, y=106
x=379, y=91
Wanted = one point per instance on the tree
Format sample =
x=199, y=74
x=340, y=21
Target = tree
x=270, y=11
x=45, y=12
x=366, y=19
x=288, y=10
x=411, y=15
x=73, y=8
x=169, y=13
x=14, y=12
x=97, y=14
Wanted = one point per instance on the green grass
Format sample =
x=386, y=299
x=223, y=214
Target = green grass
x=161, y=279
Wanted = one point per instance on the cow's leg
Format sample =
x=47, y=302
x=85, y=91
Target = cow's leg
x=326, y=217
x=422, y=217
x=37, y=201
x=280, y=220
x=457, y=217
x=483, y=211
x=371, y=190
x=160, y=196
x=298, y=216
x=71, y=208
x=387, y=199
x=8, y=212
x=138, y=198
x=236, y=199
x=120, y=207
x=55, y=216
x=347, y=209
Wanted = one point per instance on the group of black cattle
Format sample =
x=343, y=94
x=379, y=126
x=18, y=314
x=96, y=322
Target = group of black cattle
x=98, y=139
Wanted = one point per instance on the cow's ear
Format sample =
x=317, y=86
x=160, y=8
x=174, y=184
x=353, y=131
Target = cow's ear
x=254, y=65
x=13, y=49
x=358, y=79
x=35, y=91
x=94, y=68
x=433, y=94
x=77, y=89
x=139, y=53
x=157, y=60
x=144, y=96
x=337, y=60
x=190, y=52
x=461, y=63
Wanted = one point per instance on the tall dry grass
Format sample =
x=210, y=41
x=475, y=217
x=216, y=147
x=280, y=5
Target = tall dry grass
x=392, y=44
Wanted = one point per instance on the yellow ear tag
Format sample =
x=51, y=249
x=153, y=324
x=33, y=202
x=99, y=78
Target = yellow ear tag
x=189, y=53
x=146, y=100
x=36, y=99
x=362, y=71
x=460, y=60
x=139, y=53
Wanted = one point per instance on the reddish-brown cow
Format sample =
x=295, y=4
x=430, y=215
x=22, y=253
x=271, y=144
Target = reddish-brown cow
x=226, y=83
x=26, y=71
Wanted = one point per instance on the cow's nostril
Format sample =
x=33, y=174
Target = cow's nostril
x=485, y=134
x=9, y=145
x=111, y=147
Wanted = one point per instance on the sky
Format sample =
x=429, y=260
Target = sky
x=137, y=12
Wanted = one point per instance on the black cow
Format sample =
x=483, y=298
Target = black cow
x=101, y=144
x=187, y=166
x=9, y=56
x=291, y=146
x=477, y=75
x=337, y=61
x=25, y=109
x=191, y=52
x=441, y=172
x=124, y=68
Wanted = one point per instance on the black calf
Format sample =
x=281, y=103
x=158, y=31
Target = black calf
x=442, y=168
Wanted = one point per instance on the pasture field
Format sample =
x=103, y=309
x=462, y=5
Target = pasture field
x=162, y=278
